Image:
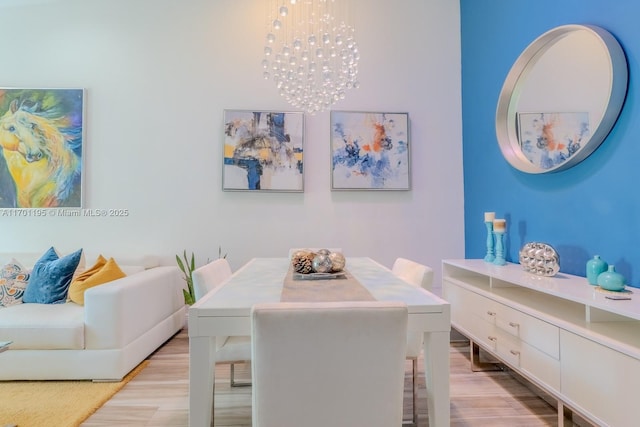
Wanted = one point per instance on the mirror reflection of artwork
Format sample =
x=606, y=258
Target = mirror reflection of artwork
x=550, y=139
x=570, y=68
x=41, y=138
x=263, y=151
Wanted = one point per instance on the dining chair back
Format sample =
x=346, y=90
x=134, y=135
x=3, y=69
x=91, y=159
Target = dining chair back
x=210, y=276
x=231, y=350
x=418, y=275
x=328, y=364
x=414, y=273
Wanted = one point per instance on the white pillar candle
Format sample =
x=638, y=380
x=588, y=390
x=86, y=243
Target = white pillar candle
x=499, y=225
x=489, y=216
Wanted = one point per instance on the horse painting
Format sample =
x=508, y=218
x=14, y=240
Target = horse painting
x=37, y=147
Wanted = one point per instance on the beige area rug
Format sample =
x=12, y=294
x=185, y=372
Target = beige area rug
x=56, y=403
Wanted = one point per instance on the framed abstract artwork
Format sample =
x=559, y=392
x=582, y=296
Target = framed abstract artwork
x=263, y=151
x=42, y=141
x=548, y=140
x=370, y=151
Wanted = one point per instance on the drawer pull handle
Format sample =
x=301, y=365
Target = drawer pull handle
x=494, y=339
x=514, y=352
x=514, y=325
x=491, y=313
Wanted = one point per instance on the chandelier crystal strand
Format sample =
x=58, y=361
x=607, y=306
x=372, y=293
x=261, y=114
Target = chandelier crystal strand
x=310, y=52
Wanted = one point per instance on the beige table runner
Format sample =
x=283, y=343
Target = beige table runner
x=332, y=290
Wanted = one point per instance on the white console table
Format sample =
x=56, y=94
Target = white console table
x=559, y=332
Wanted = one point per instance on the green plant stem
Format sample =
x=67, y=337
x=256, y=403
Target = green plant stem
x=187, y=267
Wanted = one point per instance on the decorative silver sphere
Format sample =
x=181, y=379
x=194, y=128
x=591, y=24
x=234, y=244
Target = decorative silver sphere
x=321, y=263
x=337, y=261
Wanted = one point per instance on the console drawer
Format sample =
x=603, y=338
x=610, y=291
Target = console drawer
x=507, y=348
x=535, y=332
x=472, y=302
x=528, y=359
x=539, y=334
x=482, y=332
x=465, y=317
x=544, y=368
x=460, y=301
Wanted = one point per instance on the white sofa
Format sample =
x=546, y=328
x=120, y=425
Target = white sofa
x=121, y=323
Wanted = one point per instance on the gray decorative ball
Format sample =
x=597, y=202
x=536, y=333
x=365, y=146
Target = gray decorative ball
x=337, y=261
x=321, y=263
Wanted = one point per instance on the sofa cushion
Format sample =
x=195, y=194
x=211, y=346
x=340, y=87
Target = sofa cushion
x=131, y=269
x=103, y=271
x=51, y=277
x=43, y=326
x=13, y=281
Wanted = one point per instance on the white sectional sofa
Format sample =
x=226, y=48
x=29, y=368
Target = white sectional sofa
x=120, y=324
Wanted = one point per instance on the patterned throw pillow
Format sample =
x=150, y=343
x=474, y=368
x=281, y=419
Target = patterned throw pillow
x=13, y=281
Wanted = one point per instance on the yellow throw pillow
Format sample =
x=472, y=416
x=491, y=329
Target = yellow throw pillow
x=102, y=272
x=84, y=275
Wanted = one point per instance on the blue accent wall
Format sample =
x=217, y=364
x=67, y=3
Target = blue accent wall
x=591, y=208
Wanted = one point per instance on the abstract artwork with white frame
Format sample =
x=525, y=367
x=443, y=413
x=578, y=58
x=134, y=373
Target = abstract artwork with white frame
x=263, y=151
x=370, y=151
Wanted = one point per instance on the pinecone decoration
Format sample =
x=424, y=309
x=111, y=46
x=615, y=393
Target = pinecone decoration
x=302, y=262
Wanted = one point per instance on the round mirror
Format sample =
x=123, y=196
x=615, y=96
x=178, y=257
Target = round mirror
x=561, y=98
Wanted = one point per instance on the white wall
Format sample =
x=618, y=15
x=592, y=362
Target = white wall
x=158, y=74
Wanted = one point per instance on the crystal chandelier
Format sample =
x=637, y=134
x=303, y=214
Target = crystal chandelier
x=310, y=52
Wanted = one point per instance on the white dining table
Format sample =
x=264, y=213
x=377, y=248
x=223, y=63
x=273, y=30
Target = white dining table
x=226, y=311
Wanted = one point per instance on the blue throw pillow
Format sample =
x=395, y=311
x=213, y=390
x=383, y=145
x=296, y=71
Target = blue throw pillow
x=51, y=277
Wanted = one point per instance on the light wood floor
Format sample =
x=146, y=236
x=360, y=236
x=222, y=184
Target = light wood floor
x=158, y=396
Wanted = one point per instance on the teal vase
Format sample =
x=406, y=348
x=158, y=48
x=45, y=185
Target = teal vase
x=595, y=266
x=611, y=280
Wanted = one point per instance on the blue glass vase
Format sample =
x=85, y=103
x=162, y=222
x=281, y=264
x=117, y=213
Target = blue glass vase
x=595, y=266
x=611, y=280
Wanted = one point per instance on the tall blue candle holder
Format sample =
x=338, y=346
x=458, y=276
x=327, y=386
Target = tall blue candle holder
x=489, y=257
x=500, y=260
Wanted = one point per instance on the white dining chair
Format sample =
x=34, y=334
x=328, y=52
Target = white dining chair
x=418, y=275
x=229, y=350
x=328, y=364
